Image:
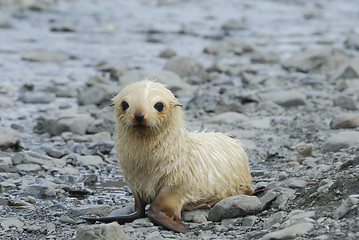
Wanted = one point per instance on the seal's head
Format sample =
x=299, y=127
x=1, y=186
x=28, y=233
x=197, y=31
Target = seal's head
x=145, y=106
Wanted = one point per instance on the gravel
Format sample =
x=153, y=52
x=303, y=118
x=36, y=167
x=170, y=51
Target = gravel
x=281, y=76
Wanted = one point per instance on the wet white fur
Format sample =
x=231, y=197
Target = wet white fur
x=203, y=167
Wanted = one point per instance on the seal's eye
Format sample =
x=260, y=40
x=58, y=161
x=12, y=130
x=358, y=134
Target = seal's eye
x=124, y=105
x=159, y=106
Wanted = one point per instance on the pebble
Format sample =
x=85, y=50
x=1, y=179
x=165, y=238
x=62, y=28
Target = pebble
x=274, y=219
x=345, y=102
x=197, y=216
x=43, y=56
x=289, y=98
x=110, y=231
x=264, y=57
x=89, y=210
x=341, y=140
x=76, y=124
x=95, y=161
x=305, y=151
x=11, y=222
x=235, y=206
x=290, y=232
x=234, y=24
x=185, y=67
x=313, y=60
x=345, y=120
x=9, y=138
x=37, y=98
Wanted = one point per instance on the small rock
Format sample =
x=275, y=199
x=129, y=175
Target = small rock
x=6, y=102
x=345, y=120
x=104, y=147
x=142, y=222
x=53, y=152
x=290, y=232
x=249, y=221
x=288, y=98
x=315, y=60
x=341, y=140
x=67, y=220
x=89, y=210
x=28, y=167
x=111, y=231
x=97, y=93
x=273, y=219
x=9, y=138
x=268, y=198
x=95, y=161
x=167, y=53
x=234, y=24
x=198, y=215
x=235, y=206
x=116, y=70
x=294, y=183
x=352, y=42
x=345, y=207
x=264, y=57
x=63, y=28
x=11, y=222
x=228, y=118
x=122, y=211
x=43, y=56
x=305, y=151
x=347, y=70
x=101, y=125
x=345, y=102
x=185, y=67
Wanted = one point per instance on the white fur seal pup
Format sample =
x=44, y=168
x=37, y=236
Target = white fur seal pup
x=167, y=166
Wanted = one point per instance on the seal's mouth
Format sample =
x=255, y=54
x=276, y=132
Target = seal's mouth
x=140, y=126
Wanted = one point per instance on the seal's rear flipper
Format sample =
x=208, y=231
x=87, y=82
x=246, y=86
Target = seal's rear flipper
x=165, y=210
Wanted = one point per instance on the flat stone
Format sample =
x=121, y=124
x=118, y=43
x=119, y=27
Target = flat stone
x=76, y=124
x=37, y=98
x=284, y=98
x=11, y=222
x=268, y=198
x=345, y=120
x=185, y=67
x=341, y=140
x=89, y=210
x=9, y=138
x=228, y=118
x=345, y=102
x=43, y=56
x=235, y=206
x=294, y=183
x=315, y=60
x=273, y=219
x=28, y=167
x=305, y=151
x=95, y=161
x=291, y=232
x=110, y=231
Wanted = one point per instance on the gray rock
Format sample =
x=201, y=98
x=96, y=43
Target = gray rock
x=116, y=69
x=234, y=24
x=249, y=221
x=228, y=118
x=285, y=98
x=352, y=42
x=268, y=198
x=63, y=28
x=235, y=206
x=95, y=161
x=348, y=70
x=305, y=151
x=341, y=140
x=198, y=215
x=28, y=167
x=122, y=211
x=345, y=102
x=53, y=152
x=142, y=222
x=67, y=220
x=89, y=210
x=6, y=102
x=43, y=56
x=76, y=123
x=269, y=106
x=185, y=67
x=104, y=147
x=168, y=78
x=37, y=98
x=102, y=138
x=264, y=57
x=97, y=94
x=290, y=232
x=296, y=215
x=315, y=60
x=345, y=120
x=294, y=183
x=111, y=231
x=234, y=45
x=273, y=219
x=9, y=138
x=167, y=53
x=348, y=204
x=37, y=191
x=11, y=222
x=101, y=125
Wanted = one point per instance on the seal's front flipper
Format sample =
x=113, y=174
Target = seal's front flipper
x=139, y=213
x=166, y=211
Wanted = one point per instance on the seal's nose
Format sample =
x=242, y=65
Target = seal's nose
x=139, y=117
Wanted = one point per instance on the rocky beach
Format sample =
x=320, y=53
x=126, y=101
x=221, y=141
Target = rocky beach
x=282, y=76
